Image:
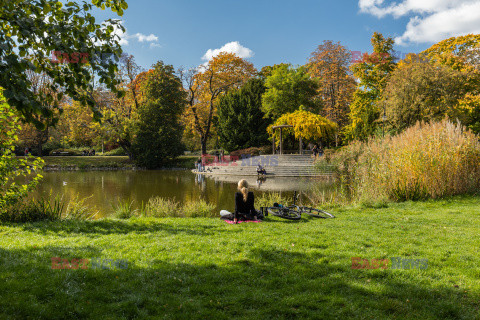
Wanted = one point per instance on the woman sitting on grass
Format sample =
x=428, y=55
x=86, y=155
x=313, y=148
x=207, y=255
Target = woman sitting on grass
x=244, y=204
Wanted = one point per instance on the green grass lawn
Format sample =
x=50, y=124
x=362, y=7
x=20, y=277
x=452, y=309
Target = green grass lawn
x=89, y=162
x=184, y=268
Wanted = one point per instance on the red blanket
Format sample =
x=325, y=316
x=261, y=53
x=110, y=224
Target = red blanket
x=231, y=221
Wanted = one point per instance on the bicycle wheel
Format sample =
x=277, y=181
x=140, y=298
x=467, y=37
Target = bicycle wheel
x=290, y=213
x=317, y=213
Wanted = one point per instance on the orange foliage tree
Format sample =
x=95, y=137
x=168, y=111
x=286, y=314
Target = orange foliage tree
x=329, y=65
x=206, y=84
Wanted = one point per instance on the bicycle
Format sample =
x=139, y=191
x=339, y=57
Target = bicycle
x=290, y=212
x=294, y=212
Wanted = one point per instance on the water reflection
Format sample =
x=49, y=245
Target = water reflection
x=107, y=187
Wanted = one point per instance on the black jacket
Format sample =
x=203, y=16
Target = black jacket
x=244, y=208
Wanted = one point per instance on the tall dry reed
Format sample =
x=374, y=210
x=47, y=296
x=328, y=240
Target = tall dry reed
x=425, y=161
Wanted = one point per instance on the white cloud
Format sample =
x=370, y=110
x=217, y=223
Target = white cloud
x=231, y=47
x=155, y=45
x=142, y=38
x=431, y=20
x=124, y=37
x=121, y=36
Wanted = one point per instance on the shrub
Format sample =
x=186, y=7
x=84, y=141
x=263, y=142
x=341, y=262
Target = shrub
x=268, y=199
x=254, y=151
x=34, y=210
x=162, y=207
x=50, y=146
x=124, y=209
x=425, y=161
x=115, y=152
x=200, y=208
x=77, y=209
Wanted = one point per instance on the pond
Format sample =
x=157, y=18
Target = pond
x=107, y=188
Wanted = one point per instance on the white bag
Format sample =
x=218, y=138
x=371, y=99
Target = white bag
x=224, y=213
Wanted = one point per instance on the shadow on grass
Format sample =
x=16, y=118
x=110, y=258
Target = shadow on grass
x=263, y=284
x=112, y=226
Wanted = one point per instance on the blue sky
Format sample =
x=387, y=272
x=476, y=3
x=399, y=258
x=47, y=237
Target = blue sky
x=266, y=32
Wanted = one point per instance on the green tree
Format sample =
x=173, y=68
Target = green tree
x=266, y=71
x=42, y=27
x=372, y=75
x=287, y=89
x=241, y=123
x=159, y=134
x=13, y=189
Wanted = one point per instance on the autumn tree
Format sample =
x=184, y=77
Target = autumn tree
x=372, y=74
x=120, y=115
x=78, y=125
x=329, y=66
x=241, y=122
x=462, y=54
x=206, y=85
x=287, y=89
x=420, y=91
x=306, y=125
x=29, y=134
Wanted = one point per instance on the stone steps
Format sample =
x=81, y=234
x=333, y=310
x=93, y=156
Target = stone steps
x=275, y=165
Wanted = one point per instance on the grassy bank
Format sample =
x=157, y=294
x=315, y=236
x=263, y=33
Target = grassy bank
x=182, y=268
x=106, y=162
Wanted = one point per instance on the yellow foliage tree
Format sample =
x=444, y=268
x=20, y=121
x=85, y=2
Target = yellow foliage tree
x=462, y=54
x=306, y=125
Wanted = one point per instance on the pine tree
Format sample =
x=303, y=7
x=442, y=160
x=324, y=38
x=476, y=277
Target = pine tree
x=241, y=123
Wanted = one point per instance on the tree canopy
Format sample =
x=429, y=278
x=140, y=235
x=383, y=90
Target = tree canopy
x=372, y=75
x=307, y=125
x=205, y=85
x=287, y=89
x=420, y=91
x=31, y=31
x=329, y=66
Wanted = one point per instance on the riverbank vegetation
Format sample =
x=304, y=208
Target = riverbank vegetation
x=108, y=163
x=205, y=268
x=57, y=208
x=428, y=160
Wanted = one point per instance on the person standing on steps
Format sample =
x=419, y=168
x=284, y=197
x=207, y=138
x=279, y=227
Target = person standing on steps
x=315, y=151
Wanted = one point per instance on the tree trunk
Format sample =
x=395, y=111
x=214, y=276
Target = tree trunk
x=204, y=146
x=126, y=147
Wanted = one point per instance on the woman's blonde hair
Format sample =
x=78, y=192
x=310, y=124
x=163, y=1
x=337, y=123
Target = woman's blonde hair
x=243, y=188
